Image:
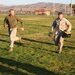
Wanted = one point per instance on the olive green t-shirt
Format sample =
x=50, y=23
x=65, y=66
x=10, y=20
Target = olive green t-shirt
x=12, y=21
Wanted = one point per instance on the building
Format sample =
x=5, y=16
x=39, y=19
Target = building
x=42, y=12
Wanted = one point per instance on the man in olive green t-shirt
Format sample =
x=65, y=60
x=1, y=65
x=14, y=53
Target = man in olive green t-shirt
x=11, y=20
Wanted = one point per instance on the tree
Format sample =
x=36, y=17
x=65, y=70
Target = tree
x=73, y=6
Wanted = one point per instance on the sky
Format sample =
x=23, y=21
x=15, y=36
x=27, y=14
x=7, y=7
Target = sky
x=20, y=2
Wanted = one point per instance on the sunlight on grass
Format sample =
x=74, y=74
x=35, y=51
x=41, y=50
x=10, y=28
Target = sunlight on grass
x=37, y=55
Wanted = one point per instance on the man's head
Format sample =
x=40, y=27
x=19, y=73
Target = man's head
x=60, y=15
x=11, y=12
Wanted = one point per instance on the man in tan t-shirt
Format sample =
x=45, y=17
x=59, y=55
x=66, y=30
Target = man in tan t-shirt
x=60, y=25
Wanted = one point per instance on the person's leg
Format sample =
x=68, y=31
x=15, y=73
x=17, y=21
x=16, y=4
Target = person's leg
x=60, y=45
x=56, y=39
x=13, y=38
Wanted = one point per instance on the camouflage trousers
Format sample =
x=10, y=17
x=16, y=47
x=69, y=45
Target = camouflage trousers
x=13, y=37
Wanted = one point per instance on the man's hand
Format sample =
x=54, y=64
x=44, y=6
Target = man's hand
x=4, y=26
x=67, y=27
x=51, y=32
x=22, y=28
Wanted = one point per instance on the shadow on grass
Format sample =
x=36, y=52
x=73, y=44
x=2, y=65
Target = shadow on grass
x=4, y=40
x=17, y=43
x=4, y=49
x=31, y=69
x=72, y=48
x=6, y=71
x=54, y=51
x=4, y=35
x=70, y=40
x=27, y=39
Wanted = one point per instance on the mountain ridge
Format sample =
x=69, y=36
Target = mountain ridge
x=36, y=6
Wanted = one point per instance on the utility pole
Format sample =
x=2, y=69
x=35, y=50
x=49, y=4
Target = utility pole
x=71, y=7
x=65, y=8
x=53, y=8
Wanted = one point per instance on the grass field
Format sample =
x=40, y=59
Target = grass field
x=37, y=55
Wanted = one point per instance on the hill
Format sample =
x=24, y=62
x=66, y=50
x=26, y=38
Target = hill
x=33, y=7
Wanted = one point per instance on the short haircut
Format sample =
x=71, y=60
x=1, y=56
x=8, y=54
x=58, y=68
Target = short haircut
x=59, y=13
x=11, y=10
